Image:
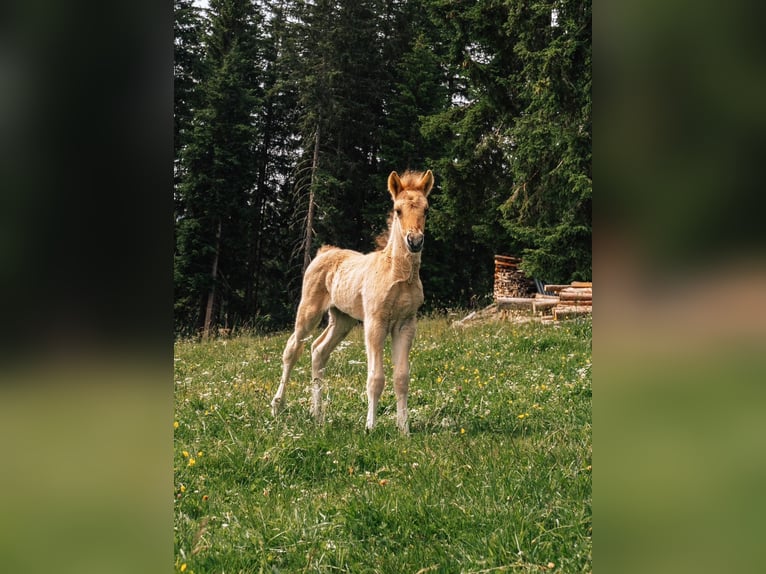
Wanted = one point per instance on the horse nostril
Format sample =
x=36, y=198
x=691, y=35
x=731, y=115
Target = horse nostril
x=415, y=242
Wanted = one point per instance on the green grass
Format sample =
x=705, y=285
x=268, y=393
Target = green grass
x=495, y=476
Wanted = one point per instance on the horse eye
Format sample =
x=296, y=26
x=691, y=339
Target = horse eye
x=399, y=211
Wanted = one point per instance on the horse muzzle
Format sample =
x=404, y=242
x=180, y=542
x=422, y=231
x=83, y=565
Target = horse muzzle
x=415, y=242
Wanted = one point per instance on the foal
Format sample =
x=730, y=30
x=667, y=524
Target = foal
x=381, y=288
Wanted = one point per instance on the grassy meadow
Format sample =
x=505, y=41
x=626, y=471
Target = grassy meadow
x=494, y=477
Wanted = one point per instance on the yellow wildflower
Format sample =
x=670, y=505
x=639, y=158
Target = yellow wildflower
x=462, y=430
x=182, y=488
x=175, y=424
x=183, y=567
x=192, y=462
x=185, y=453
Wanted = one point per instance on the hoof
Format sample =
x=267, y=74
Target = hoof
x=276, y=407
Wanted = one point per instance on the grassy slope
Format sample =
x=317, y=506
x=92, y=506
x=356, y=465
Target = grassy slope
x=494, y=477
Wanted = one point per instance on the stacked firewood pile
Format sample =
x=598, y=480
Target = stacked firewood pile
x=570, y=300
x=516, y=292
x=510, y=282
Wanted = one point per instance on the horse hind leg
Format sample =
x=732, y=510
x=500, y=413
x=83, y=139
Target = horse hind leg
x=307, y=319
x=338, y=327
x=292, y=351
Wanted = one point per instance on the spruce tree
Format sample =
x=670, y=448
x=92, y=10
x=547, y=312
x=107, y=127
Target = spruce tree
x=188, y=74
x=219, y=171
x=463, y=140
x=550, y=204
x=515, y=161
x=278, y=98
x=341, y=80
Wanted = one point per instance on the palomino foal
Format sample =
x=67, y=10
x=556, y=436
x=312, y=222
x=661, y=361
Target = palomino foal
x=381, y=288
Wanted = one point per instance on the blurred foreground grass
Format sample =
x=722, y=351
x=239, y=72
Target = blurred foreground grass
x=86, y=453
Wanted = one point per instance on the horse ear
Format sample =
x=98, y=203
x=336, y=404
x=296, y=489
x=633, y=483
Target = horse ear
x=394, y=184
x=427, y=182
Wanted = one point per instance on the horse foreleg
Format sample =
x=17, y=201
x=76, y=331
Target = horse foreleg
x=401, y=343
x=374, y=338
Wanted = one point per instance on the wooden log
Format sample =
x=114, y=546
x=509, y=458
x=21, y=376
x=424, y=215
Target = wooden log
x=515, y=303
x=544, y=304
x=580, y=290
x=571, y=294
x=543, y=297
x=507, y=259
x=587, y=303
x=569, y=311
x=564, y=309
x=573, y=298
x=555, y=288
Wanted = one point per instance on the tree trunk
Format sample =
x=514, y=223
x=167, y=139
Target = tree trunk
x=310, y=215
x=253, y=277
x=211, y=294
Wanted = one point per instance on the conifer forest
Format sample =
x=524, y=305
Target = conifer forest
x=289, y=116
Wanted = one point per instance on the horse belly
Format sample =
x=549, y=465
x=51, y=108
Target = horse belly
x=347, y=293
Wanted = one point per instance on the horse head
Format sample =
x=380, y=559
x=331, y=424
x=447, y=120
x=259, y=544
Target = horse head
x=410, y=195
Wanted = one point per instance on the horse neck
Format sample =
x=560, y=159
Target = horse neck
x=404, y=265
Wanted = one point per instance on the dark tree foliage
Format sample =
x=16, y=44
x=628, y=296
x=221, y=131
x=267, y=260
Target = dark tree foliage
x=516, y=161
x=550, y=204
x=188, y=72
x=341, y=84
x=218, y=191
x=279, y=101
